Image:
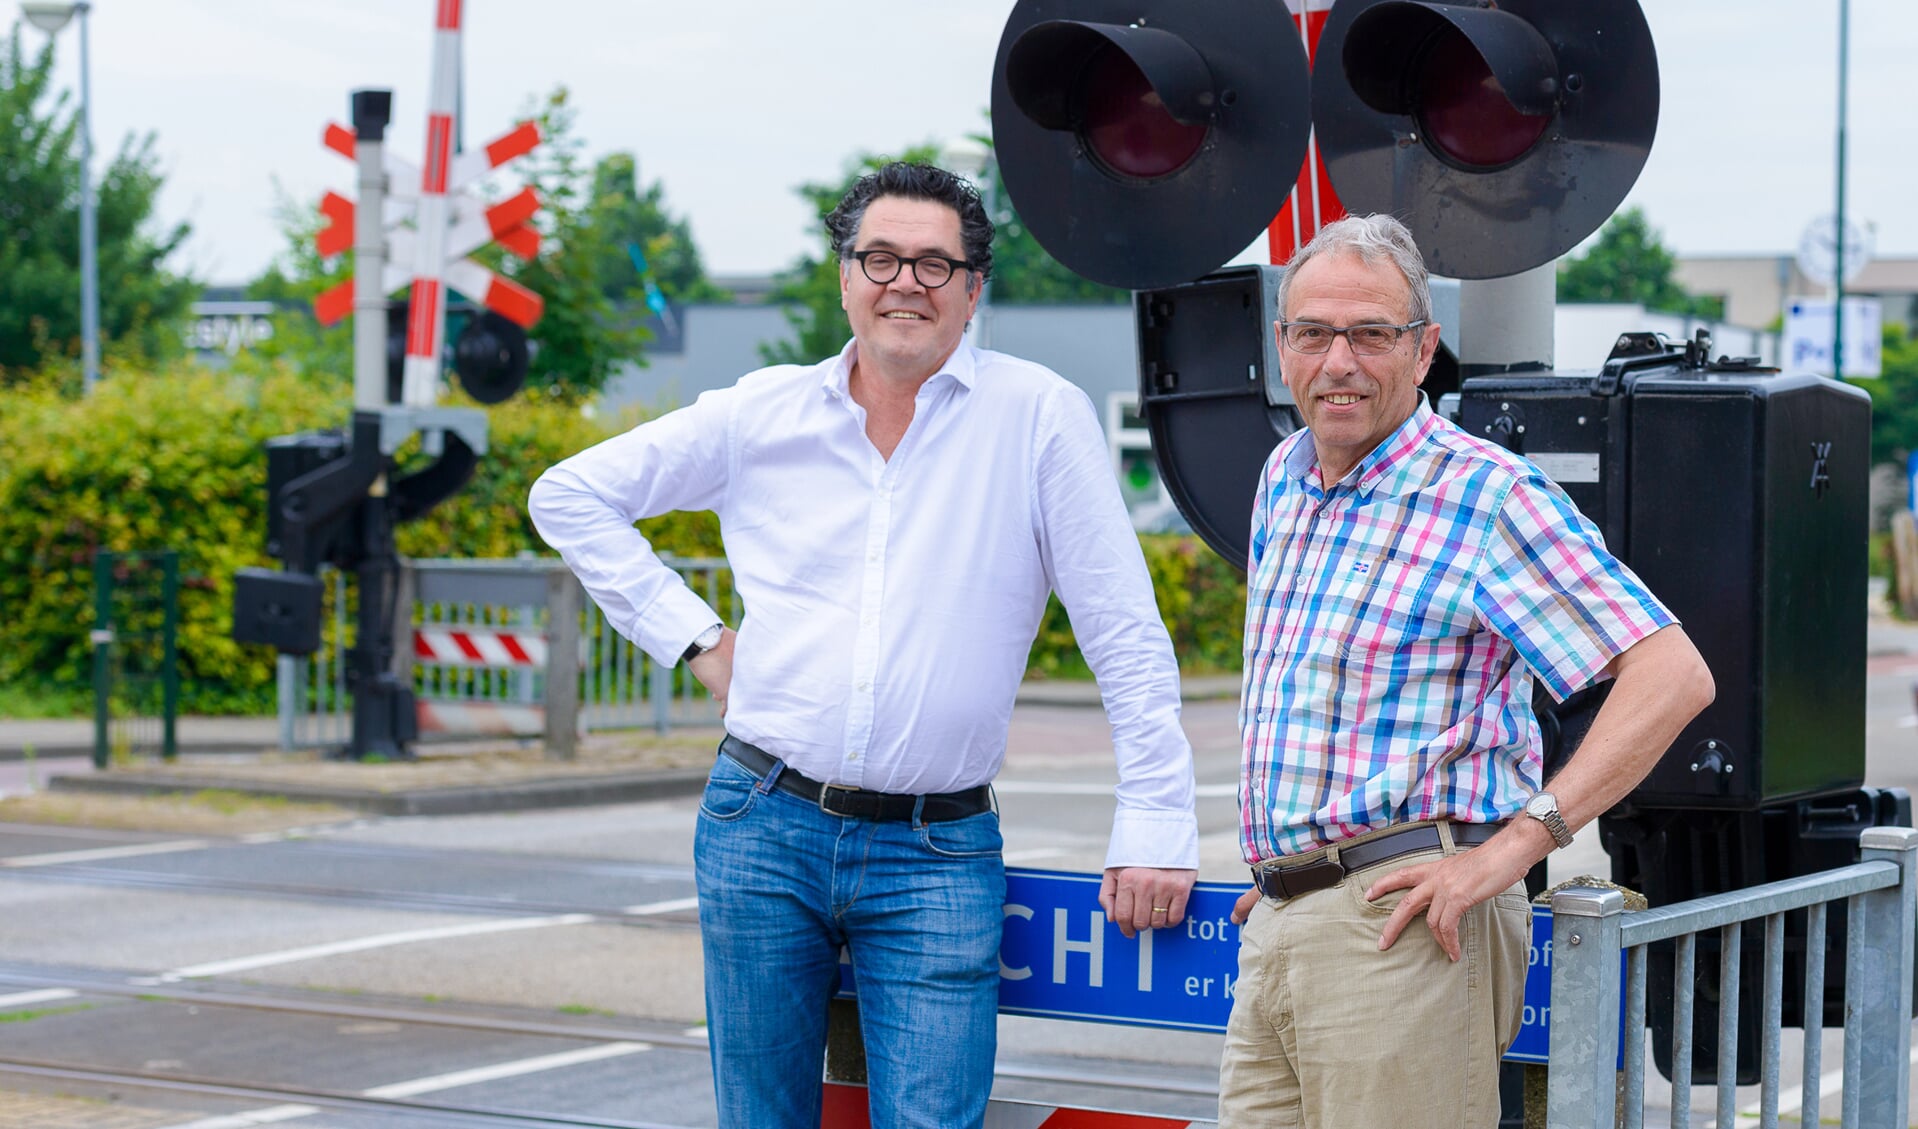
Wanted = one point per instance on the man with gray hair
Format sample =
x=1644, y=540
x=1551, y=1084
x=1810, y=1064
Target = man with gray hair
x=894, y=517
x=1406, y=584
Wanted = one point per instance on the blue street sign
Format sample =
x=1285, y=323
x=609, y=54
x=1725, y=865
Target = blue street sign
x=1061, y=959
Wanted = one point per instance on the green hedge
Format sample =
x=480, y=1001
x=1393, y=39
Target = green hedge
x=173, y=459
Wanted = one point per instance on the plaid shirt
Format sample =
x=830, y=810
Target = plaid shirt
x=1394, y=625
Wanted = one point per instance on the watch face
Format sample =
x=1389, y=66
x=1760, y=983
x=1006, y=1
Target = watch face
x=1541, y=805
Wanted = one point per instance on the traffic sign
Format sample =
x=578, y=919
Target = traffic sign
x=1061, y=959
x=1809, y=329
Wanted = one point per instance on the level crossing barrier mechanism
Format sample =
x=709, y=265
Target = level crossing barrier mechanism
x=488, y=644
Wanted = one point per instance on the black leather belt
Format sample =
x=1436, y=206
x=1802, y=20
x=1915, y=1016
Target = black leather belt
x=858, y=803
x=1280, y=880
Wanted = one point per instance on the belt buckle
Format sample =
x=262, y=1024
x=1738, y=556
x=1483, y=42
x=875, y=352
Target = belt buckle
x=826, y=790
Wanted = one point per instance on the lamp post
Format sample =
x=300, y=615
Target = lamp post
x=50, y=16
x=969, y=159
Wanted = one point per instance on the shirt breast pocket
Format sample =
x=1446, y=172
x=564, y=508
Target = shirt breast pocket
x=1396, y=609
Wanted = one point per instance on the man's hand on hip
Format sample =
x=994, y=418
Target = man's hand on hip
x=1141, y=897
x=1445, y=889
x=714, y=668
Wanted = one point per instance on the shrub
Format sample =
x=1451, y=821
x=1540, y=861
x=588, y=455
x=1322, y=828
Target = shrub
x=173, y=459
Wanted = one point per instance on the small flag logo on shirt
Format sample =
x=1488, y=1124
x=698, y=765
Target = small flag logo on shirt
x=1362, y=568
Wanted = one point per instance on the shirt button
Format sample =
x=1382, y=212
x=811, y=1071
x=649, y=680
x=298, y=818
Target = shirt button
x=864, y=686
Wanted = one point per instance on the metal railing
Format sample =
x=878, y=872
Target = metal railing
x=618, y=687
x=1590, y=930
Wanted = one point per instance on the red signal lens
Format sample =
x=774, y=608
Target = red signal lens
x=1126, y=125
x=1464, y=114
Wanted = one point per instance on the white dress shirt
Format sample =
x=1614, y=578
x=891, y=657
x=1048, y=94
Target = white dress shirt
x=890, y=604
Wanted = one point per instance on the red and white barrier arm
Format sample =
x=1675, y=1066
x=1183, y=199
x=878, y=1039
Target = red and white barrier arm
x=426, y=324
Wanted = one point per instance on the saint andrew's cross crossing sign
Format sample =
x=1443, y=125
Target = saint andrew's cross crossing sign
x=1061, y=959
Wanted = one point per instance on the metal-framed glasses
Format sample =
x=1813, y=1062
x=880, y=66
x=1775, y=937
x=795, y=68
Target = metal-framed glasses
x=1366, y=340
x=932, y=271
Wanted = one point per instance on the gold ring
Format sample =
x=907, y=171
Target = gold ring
x=1158, y=909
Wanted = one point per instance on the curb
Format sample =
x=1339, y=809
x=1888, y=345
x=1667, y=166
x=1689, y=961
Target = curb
x=552, y=792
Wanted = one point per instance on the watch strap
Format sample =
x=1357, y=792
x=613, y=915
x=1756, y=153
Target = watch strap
x=703, y=642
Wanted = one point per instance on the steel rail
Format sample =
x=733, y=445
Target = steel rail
x=325, y=1099
x=1011, y=1069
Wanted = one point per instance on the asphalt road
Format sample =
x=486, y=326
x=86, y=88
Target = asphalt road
x=500, y=927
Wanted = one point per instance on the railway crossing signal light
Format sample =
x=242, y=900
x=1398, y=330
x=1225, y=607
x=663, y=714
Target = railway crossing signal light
x=1145, y=143
x=1500, y=136
x=490, y=357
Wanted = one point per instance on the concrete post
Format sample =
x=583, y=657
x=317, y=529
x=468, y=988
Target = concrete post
x=563, y=599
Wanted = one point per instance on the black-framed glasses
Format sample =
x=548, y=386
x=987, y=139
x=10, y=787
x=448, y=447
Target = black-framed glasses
x=1366, y=340
x=932, y=271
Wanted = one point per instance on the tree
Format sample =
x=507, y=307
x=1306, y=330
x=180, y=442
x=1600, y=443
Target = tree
x=632, y=221
x=143, y=307
x=583, y=337
x=584, y=334
x=1894, y=399
x=1630, y=263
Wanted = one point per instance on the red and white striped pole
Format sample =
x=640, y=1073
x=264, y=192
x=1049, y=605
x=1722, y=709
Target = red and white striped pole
x=426, y=325
x=1312, y=204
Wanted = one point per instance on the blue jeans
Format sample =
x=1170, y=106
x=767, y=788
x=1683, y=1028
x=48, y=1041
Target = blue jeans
x=782, y=887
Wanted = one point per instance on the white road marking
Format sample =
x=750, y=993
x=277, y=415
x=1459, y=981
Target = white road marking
x=433, y=1083
x=1075, y=788
x=271, y=1115
x=41, y=996
x=650, y=908
x=505, y=1070
x=377, y=941
x=129, y=851
x=1033, y=854
x=1829, y=1083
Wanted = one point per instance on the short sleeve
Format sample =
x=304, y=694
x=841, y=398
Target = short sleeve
x=1549, y=586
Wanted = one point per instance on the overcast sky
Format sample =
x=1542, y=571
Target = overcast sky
x=733, y=102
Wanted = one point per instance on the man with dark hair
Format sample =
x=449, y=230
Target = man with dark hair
x=895, y=517
x=1407, y=583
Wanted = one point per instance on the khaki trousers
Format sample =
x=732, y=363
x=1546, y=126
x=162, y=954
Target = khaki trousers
x=1329, y=1033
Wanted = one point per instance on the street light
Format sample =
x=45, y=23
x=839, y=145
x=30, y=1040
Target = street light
x=50, y=16
x=967, y=157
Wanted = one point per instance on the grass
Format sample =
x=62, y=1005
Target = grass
x=27, y=1015
x=583, y=1009
x=209, y=811
x=39, y=702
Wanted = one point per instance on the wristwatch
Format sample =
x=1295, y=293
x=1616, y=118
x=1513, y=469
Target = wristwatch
x=703, y=642
x=1543, y=806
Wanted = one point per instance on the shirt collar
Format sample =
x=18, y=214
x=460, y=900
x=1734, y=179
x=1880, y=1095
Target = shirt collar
x=836, y=377
x=1386, y=465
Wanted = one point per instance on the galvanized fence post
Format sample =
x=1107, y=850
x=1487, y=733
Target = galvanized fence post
x=1584, y=1021
x=563, y=598
x=1878, y=965
x=406, y=593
